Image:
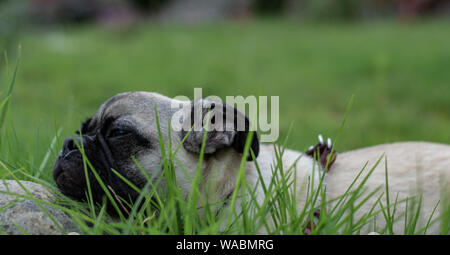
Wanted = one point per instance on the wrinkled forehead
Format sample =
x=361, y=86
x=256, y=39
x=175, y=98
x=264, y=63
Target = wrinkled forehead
x=139, y=105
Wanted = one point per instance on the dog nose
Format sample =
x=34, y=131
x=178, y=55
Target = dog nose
x=70, y=145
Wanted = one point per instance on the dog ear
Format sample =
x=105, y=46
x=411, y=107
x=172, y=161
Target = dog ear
x=225, y=126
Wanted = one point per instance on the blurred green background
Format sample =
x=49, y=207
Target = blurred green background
x=394, y=56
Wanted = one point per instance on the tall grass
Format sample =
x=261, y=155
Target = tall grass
x=167, y=211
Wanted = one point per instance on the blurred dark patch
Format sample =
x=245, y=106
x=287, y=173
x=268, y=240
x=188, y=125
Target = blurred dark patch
x=78, y=11
x=269, y=6
x=410, y=9
x=82, y=11
x=149, y=5
x=19, y=15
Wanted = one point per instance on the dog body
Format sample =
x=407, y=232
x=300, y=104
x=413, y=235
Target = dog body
x=413, y=169
x=126, y=131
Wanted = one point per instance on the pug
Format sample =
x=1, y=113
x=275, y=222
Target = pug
x=124, y=135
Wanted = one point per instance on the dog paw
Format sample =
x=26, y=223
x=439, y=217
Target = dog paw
x=323, y=152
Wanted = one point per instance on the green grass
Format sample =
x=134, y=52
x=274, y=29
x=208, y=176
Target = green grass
x=397, y=72
x=172, y=213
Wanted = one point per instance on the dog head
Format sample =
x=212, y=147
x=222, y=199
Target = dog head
x=122, y=139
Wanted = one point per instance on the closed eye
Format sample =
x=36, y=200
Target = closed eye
x=119, y=132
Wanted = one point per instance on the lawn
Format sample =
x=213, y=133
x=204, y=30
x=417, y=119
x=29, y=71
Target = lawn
x=399, y=74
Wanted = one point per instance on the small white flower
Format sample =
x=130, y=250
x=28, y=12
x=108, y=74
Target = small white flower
x=320, y=139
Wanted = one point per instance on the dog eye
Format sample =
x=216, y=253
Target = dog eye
x=117, y=132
